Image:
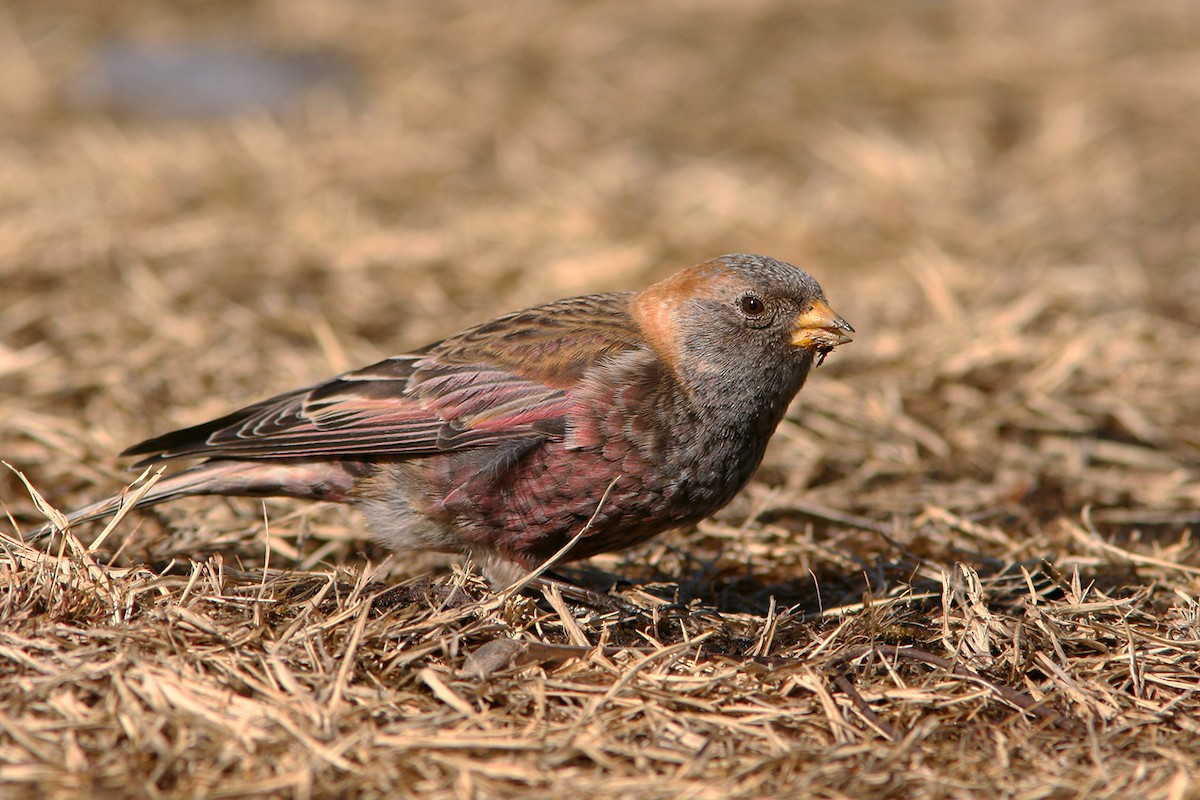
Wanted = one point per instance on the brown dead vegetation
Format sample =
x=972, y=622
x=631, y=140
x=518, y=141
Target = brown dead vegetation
x=966, y=569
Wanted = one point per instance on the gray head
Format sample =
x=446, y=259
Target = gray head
x=740, y=313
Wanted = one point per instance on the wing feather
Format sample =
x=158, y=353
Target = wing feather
x=501, y=381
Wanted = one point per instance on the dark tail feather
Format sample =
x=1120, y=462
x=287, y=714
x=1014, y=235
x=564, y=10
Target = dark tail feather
x=312, y=480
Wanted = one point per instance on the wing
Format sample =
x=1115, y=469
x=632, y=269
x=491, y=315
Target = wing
x=498, y=382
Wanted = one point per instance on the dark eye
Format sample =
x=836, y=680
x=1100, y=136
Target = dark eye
x=753, y=306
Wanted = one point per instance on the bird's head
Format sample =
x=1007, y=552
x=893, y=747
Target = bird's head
x=740, y=315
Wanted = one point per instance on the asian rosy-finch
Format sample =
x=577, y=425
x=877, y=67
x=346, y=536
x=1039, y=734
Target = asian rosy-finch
x=638, y=412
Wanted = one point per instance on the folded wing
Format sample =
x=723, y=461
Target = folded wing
x=505, y=380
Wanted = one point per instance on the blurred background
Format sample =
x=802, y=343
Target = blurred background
x=202, y=204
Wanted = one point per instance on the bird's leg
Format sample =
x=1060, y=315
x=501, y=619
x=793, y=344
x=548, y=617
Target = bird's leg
x=604, y=602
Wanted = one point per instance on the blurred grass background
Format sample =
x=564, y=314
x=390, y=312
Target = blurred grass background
x=920, y=158
x=202, y=204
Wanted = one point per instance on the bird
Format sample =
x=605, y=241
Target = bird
x=601, y=420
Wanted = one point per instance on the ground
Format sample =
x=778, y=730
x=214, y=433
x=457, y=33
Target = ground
x=966, y=569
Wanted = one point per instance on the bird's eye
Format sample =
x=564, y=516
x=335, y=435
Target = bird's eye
x=753, y=306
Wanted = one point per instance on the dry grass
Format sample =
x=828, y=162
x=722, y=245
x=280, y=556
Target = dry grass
x=966, y=569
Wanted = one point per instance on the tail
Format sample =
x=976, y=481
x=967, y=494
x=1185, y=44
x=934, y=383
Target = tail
x=314, y=480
